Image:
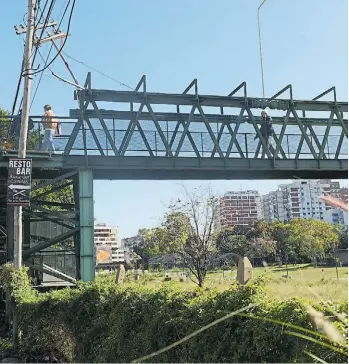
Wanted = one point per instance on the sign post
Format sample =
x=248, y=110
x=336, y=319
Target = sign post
x=19, y=181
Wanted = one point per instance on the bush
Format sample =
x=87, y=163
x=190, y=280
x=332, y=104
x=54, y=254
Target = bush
x=102, y=322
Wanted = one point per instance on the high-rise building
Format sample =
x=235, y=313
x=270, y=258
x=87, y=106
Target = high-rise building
x=300, y=199
x=239, y=209
x=336, y=190
x=130, y=243
x=336, y=216
x=274, y=205
x=108, y=236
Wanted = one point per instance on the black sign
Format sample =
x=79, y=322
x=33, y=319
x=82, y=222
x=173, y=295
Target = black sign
x=19, y=181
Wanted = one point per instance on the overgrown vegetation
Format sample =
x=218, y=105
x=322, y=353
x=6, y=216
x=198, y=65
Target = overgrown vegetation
x=102, y=322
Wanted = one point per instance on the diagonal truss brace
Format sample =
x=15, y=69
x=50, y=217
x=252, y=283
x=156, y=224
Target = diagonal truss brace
x=129, y=132
x=35, y=249
x=50, y=271
x=184, y=134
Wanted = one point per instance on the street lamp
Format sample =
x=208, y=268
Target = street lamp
x=260, y=45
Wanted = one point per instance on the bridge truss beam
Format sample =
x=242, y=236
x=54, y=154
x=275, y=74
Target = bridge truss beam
x=175, y=134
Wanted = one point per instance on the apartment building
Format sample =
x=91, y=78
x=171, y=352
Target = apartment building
x=301, y=199
x=240, y=208
x=130, y=243
x=336, y=190
x=108, y=236
x=336, y=216
x=274, y=205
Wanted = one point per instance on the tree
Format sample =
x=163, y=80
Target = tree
x=311, y=238
x=342, y=232
x=63, y=196
x=260, y=229
x=281, y=235
x=230, y=245
x=195, y=239
x=177, y=227
x=5, y=126
x=262, y=248
x=146, y=245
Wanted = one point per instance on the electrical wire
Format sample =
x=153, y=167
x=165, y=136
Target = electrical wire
x=48, y=56
x=17, y=90
x=38, y=22
x=52, y=4
x=42, y=73
x=101, y=73
x=64, y=42
x=22, y=67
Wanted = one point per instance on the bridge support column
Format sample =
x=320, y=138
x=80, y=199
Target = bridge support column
x=87, y=263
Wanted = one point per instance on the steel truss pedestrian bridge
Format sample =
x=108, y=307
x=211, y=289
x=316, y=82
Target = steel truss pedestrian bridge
x=147, y=135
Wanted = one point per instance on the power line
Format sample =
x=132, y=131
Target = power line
x=21, y=73
x=52, y=4
x=37, y=86
x=48, y=56
x=101, y=73
x=39, y=20
x=65, y=40
x=17, y=90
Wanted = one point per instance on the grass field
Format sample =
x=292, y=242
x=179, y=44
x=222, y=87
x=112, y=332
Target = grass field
x=308, y=282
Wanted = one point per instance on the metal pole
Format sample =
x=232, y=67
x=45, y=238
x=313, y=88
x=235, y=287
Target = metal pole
x=260, y=46
x=24, y=126
x=65, y=62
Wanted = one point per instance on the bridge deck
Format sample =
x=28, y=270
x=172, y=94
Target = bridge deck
x=161, y=168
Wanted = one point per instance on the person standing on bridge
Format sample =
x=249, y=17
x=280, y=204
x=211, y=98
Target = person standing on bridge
x=50, y=126
x=266, y=130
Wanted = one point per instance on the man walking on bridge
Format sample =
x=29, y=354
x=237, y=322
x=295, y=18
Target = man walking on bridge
x=266, y=131
x=50, y=125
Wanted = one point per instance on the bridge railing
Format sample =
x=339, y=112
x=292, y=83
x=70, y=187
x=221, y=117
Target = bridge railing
x=92, y=139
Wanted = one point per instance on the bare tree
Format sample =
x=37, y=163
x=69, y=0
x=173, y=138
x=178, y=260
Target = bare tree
x=198, y=248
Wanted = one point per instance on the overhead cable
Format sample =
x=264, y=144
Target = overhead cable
x=48, y=56
x=22, y=66
x=101, y=73
x=64, y=42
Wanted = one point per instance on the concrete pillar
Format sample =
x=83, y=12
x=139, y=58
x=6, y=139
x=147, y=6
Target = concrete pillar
x=87, y=264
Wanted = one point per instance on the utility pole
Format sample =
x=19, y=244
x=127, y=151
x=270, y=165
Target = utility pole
x=22, y=149
x=260, y=45
x=30, y=31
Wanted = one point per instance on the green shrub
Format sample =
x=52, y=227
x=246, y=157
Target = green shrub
x=102, y=322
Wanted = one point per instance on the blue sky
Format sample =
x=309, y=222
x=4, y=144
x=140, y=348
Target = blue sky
x=305, y=43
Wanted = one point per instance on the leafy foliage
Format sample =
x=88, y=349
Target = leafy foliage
x=103, y=322
x=228, y=241
x=16, y=282
x=5, y=126
x=64, y=195
x=311, y=238
x=4, y=123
